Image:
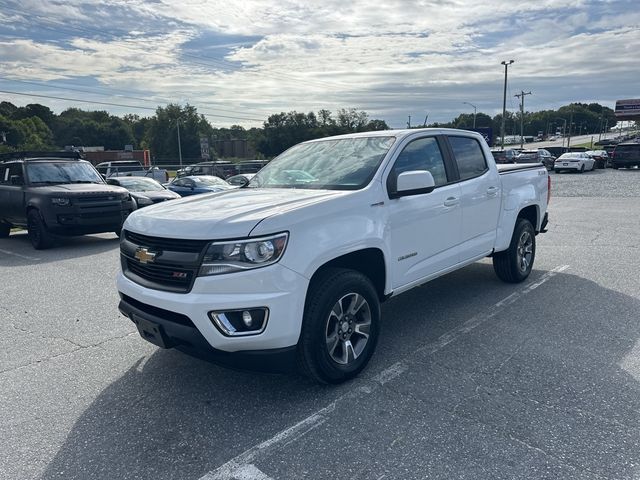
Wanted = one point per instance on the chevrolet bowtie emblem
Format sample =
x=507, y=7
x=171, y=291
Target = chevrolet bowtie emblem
x=143, y=255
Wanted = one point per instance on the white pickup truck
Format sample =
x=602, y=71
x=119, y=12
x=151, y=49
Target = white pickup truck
x=290, y=269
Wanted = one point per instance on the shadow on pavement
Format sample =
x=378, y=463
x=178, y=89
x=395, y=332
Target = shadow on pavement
x=557, y=378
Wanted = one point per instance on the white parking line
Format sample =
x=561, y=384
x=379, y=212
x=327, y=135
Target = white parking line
x=25, y=257
x=242, y=467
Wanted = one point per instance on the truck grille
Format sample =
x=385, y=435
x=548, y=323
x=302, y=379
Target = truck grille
x=172, y=244
x=174, y=267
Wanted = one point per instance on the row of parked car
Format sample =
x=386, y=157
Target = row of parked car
x=623, y=155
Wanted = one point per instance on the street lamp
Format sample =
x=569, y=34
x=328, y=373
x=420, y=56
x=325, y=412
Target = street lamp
x=504, y=97
x=475, y=110
x=179, y=146
x=564, y=127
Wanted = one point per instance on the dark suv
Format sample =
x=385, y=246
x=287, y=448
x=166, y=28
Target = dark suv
x=626, y=155
x=57, y=194
x=220, y=168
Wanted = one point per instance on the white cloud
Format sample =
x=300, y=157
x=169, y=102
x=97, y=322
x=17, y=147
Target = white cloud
x=393, y=59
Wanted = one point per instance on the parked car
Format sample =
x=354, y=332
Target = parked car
x=626, y=155
x=218, y=168
x=578, y=161
x=131, y=168
x=193, y=185
x=145, y=191
x=539, y=155
x=58, y=193
x=508, y=155
x=601, y=157
x=240, y=180
x=250, y=166
x=292, y=272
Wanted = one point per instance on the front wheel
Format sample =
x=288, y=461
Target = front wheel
x=340, y=326
x=5, y=230
x=514, y=264
x=582, y=168
x=37, y=230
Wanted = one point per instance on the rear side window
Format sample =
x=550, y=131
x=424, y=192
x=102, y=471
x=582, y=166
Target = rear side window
x=469, y=157
x=9, y=171
x=421, y=154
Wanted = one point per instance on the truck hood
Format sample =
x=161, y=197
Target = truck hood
x=78, y=189
x=229, y=214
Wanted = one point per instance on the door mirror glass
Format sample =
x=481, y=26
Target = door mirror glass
x=414, y=182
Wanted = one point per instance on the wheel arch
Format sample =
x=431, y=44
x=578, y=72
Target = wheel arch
x=368, y=261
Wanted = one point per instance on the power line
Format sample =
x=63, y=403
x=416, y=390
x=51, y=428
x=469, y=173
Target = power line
x=152, y=100
x=119, y=105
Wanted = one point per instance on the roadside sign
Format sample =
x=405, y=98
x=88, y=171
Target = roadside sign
x=628, y=109
x=204, y=148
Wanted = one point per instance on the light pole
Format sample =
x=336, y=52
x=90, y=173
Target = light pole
x=504, y=98
x=521, y=96
x=179, y=146
x=564, y=127
x=475, y=110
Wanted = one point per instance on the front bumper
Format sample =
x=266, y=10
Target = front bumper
x=74, y=220
x=276, y=287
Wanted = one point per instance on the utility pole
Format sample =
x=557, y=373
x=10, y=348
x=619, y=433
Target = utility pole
x=564, y=128
x=606, y=127
x=600, y=128
x=179, y=146
x=475, y=110
x=409, y=122
x=521, y=96
x=504, y=98
x=570, y=123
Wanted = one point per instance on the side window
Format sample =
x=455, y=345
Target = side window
x=469, y=157
x=4, y=175
x=13, y=169
x=421, y=154
x=179, y=183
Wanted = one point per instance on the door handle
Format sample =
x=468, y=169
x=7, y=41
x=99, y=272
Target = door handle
x=451, y=201
x=492, y=191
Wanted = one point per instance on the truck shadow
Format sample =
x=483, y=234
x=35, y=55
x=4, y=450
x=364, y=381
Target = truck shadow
x=172, y=416
x=17, y=250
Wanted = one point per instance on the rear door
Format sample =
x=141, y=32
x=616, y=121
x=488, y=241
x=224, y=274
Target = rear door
x=480, y=194
x=12, y=196
x=425, y=228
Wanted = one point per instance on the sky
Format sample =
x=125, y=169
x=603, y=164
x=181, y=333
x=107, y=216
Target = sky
x=240, y=61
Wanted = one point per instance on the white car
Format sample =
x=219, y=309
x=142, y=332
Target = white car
x=578, y=161
x=291, y=269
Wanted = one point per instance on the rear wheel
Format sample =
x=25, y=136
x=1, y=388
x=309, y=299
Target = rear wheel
x=514, y=264
x=340, y=326
x=5, y=230
x=38, y=234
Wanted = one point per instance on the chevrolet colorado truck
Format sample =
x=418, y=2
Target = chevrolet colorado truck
x=57, y=194
x=290, y=270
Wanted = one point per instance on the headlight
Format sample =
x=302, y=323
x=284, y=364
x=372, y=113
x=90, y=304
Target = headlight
x=143, y=201
x=238, y=255
x=60, y=201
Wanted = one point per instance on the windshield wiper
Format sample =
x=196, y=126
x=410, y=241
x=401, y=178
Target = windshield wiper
x=51, y=182
x=84, y=181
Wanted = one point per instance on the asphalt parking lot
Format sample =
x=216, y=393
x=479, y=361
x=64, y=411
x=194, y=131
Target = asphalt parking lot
x=472, y=378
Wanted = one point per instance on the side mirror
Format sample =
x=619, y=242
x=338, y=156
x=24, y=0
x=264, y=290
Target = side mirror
x=415, y=182
x=16, y=180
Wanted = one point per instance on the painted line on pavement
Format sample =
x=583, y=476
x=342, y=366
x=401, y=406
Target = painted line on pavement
x=25, y=257
x=242, y=467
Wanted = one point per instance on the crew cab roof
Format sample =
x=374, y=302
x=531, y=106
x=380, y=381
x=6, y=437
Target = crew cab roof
x=400, y=133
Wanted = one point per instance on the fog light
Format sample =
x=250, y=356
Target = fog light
x=236, y=323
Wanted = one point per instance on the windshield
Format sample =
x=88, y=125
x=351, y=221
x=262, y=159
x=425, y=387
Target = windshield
x=140, y=184
x=339, y=164
x=62, y=172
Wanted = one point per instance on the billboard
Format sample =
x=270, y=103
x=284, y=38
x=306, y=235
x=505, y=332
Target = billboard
x=486, y=132
x=204, y=148
x=628, y=109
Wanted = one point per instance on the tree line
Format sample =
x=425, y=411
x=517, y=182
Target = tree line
x=36, y=127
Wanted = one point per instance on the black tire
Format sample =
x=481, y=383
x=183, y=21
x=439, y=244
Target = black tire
x=582, y=168
x=37, y=230
x=614, y=166
x=325, y=292
x=507, y=264
x=5, y=230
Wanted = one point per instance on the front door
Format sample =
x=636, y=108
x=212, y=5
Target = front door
x=424, y=228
